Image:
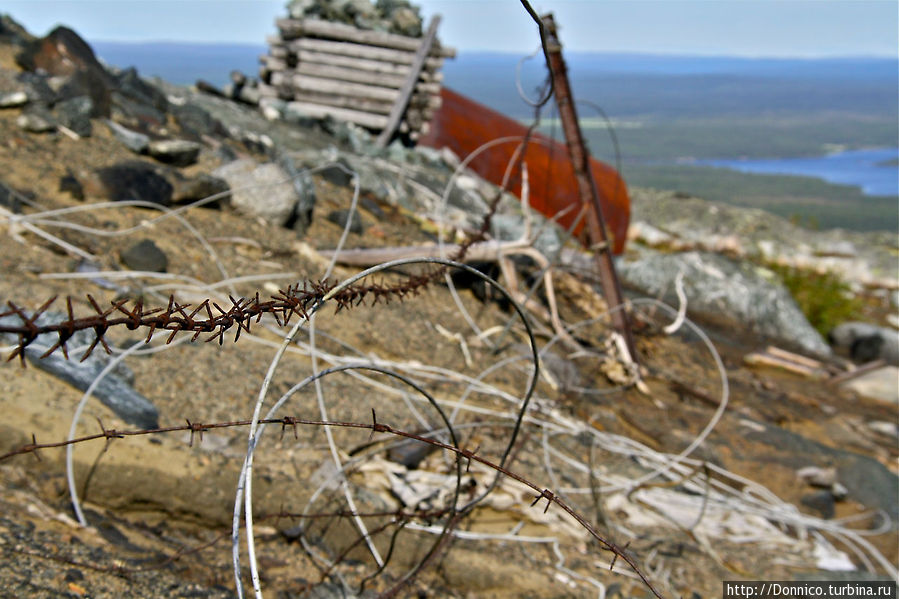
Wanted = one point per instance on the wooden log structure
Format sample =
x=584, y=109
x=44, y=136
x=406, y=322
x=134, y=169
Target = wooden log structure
x=385, y=82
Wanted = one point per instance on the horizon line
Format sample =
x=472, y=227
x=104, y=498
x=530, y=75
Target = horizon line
x=678, y=54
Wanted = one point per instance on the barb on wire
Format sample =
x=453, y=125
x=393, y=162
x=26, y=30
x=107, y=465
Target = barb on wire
x=542, y=493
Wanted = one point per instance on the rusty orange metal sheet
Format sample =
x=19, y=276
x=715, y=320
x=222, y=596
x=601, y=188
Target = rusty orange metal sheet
x=463, y=125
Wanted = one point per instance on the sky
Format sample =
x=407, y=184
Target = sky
x=756, y=28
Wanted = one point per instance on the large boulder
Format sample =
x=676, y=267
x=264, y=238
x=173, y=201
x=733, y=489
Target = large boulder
x=263, y=190
x=725, y=292
x=63, y=53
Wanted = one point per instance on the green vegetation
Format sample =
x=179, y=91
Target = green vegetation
x=825, y=299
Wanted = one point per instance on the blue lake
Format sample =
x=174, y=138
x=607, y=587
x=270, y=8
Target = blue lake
x=862, y=168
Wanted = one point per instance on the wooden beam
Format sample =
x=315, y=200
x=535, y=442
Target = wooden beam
x=319, y=111
x=402, y=102
x=330, y=86
x=362, y=64
x=360, y=51
x=296, y=28
x=351, y=75
x=338, y=101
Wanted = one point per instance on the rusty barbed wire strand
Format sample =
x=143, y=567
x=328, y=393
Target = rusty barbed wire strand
x=175, y=318
x=376, y=427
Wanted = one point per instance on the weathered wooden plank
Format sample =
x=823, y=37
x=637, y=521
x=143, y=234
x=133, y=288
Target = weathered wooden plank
x=360, y=51
x=343, y=88
x=352, y=75
x=337, y=101
x=409, y=86
x=273, y=63
x=296, y=28
x=318, y=111
x=362, y=64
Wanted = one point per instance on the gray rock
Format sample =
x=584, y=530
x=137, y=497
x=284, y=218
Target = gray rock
x=866, y=342
x=272, y=108
x=297, y=9
x=883, y=427
x=146, y=256
x=881, y=385
x=69, y=184
x=292, y=113
x=726, y=292
x=839, y=492
x=75, y=114
x=90, y=83
x=340, y=218
x=36, y=119
x=132, y=180
x=305, y=190
x=36, y=87
x=135, y=141
x=14, y=99
x=410, y=453
x=136, y=114
x=9, y=198
x=821, y=502
x=179, y=152
x=405, y=21
x=818, y=477
x=196, y=121
x=867, y=481
x=263, y=190
x=114, y=391
x=131, y=85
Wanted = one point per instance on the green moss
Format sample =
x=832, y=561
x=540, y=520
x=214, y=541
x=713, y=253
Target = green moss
x=825, y=299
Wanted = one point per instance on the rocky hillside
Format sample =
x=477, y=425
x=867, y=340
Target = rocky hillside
x=715, y=458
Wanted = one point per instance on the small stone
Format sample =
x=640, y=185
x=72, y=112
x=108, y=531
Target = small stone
x=839, y=492
x=881, y=385
x=410, y=453
x=341, y=217
x=69, y=184
x=74, y=575
x=890, y=429
x=341, y=177
x=866, y=342
x=818, y=477
x=821, y=502
x=37, y=120
x=10, y=198
x=13, y=99
x=196, y=121
x=145, y=256
x=179, y=152
x=238, y=78
x=406, y=22
x=135, y=141
x=75, y=114
x=203, y=186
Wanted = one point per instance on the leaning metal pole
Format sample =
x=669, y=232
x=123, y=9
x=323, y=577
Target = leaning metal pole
x=589, y=193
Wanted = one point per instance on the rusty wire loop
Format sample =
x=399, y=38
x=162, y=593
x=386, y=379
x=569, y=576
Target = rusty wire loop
x=380, y=427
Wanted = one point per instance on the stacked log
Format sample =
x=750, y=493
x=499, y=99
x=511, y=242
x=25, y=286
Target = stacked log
x=375, y=79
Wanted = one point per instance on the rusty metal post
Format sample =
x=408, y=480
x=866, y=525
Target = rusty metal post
x=589, y=193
